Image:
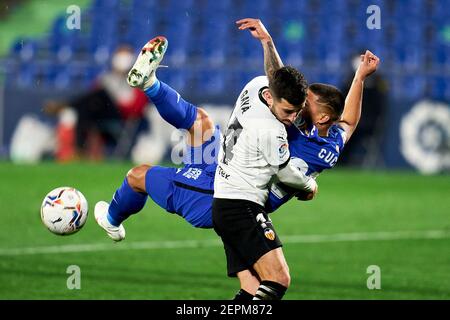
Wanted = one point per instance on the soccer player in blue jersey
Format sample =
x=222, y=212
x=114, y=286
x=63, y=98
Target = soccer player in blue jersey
x=315, y=143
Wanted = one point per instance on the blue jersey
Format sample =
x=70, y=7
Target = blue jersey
x=311, y=154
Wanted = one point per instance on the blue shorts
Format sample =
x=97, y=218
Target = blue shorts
x=187, y=191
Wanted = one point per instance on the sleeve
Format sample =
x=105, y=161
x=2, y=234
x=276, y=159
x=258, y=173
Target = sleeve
x=341, y=136
x=294, y=178
x=273, y=145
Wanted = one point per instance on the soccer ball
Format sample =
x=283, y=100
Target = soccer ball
x=64, y=210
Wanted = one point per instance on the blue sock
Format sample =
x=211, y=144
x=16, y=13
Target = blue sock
x=172, y=108
x=125, y=202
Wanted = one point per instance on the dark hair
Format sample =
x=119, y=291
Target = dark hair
x=330, y=97
x=290, y=84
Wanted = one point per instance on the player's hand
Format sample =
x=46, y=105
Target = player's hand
x=306, y=196
x=369, y=64
x=256, y=28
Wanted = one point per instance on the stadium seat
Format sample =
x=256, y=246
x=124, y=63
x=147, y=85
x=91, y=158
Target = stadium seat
x=105, y=5
x=176, y=77
x=24, y=49
x=439, y=88
x=293, y=9
x=414, y=87
x=442, y=56
x=212, y=82
x=26, y=75
x=408, y=88
x=312, y=35
x=410, y=57
x=412, y=8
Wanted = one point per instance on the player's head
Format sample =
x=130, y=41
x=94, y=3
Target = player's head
x=324, y=104
x=122, y=59
x=287, y=94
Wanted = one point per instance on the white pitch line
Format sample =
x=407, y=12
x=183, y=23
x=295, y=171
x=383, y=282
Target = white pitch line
x=186, y=244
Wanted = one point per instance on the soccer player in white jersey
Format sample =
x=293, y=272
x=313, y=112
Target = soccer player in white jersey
x=327, y=119
x=255, y=149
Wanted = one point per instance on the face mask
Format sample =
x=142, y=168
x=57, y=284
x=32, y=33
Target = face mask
x=122, y=61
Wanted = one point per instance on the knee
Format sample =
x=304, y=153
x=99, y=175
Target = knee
x=136, y=177
x=282, y=276
x=285, y=278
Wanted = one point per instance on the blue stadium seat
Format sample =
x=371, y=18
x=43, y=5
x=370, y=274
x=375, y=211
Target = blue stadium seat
x=177, y=78
x=447, y=90
x=224, y=6
x=334, y=78
x=45, y=73
x=106, y=5
x=80, y=75
x=26, y=75
x=180, y=34
x=441, y=57
x=333, y=57
x=339, y=8
x=414, y=87
x=139, y=5
x=439, y=88
x=291, y=53
x=411, y=8
x=62, y=79
x=414, y=33
x=407, y=87
x=212, y=82
x=410, y=57
x=25, y=49
x=205, y=46
x=396, y=87
x=438, y=10
x=262, y=10
x=140, y=32
x=240, y=77
x=293, y=9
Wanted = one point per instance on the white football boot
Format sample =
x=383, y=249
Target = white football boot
x=100, y=213
x=142, y=75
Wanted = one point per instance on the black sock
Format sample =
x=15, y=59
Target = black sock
x=243, y=295
x=269, y=290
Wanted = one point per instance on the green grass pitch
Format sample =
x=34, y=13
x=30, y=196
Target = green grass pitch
x=164, y=257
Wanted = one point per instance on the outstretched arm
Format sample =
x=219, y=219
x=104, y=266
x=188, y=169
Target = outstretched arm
x=353, y=103
x=294, y=178
x=272, y=60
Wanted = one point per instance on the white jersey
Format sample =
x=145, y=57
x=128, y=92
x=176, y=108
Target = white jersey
x=253, y=148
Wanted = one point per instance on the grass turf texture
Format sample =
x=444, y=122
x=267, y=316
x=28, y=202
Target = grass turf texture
x=349, y=201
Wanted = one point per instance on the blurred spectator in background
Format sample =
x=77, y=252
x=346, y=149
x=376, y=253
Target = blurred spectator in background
x=365, y=146
x=108, y=116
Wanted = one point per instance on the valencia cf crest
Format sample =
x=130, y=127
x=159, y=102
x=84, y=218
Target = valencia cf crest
x=269, y=233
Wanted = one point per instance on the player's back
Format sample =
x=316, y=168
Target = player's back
x=311, y=154
x=247, y=158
